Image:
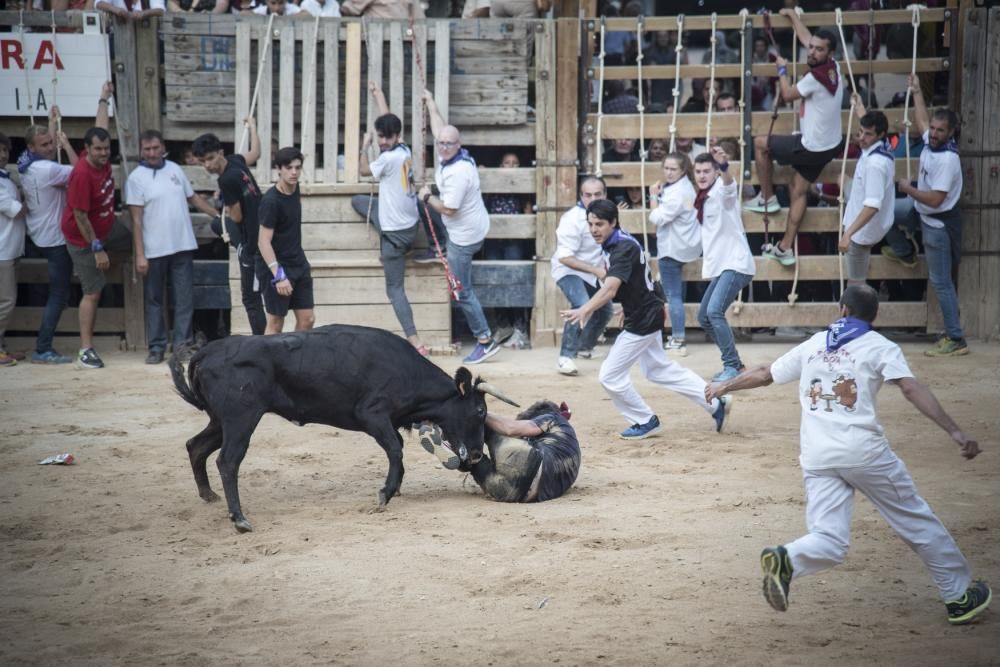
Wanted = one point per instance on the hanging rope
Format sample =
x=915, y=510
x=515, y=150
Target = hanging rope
x=795, y=74
x=256, y=86
x=371, y=189
x=711, y=86
x=454, y=285
x=678, y=50
x=915, y=22
x=642, y=137
x=744, y=21
x=871, y=44
x=55, y=86
x=600, y=101
x=24, y=68
x=774, y=115
x=847, y=144
x=793, y=294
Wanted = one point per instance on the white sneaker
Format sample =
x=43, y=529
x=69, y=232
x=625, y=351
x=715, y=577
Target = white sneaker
x=677, y=345
x=566, y=366
x=774, y=251
x=758, y=205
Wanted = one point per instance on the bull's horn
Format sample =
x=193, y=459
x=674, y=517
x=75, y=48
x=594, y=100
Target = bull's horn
x=487, y=388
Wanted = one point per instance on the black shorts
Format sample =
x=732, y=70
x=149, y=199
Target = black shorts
x=302, y=292
x=788, y=150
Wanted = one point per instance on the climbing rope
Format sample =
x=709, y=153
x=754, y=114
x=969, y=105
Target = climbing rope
x=915, y=22
x=642, y=138
x=55, y=86
x=600, y=100
x=371, y=188
x=678, y=50
x=871, y=43
x=744, y=24
x=847, y=144
x=711, y=86
x=256, y=85
x=24, y=67
x=793, y=294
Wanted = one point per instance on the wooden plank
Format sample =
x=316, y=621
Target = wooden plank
x=29, y=318
x=810, y=19
x=626, y=174
x=373, y=48
x=331, y=95
x=286, y=86
x=752, y=315
x=265, y=102
x=310, y=65
x=428, y=317
x=356, y=290
x=352, y=110
x=545, y=316
x=731, y=71
x=34, y=270
x=241, y=107
x=826, y=219
x=475, y=48
x=177, y=78
x=148, y=67
x=462, y=116
x=495, y=64
x=418, y=81
x=397, y=73
x=821, y=267
x=443, y=89
x=207, y=297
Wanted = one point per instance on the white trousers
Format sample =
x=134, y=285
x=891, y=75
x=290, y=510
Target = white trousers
x=887, y=484
x=655, y=366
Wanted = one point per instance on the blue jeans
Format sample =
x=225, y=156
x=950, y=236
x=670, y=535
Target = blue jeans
x=673, y=286
x=905, y=224
x=60, y=278
x=720, y=294
x=179, y=270
x=938, y=252
x=460, y=262
x=578, y=291
x=360, y=204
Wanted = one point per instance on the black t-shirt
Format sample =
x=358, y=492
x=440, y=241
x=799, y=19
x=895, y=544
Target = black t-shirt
x=626, y=261
x=237, y=186
x=560, y=453
x=283, y=214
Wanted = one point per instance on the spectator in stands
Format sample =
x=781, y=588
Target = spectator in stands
x=663, y=51
x=726, y=103
x=157, y=194
x=762, y=87
x=518, y=9
x=688, y=147
x=132, y=10
x=699, y=103
x=618, y=99
x=213, y=6
x=461, y=206
x=189, y=159
x=64, y=5
x=383, y=9
x=278, y=7
x=242, y=6
x=11, y=247
x=657, y=149
x=44, y=181
x=476, y=9
x=622, y=150
x=324, y=8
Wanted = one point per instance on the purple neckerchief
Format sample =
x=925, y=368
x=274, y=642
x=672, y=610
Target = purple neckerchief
x=949, y=146
x=462, y=154
x=25, y=159
x=843, y=331
x=579, y=204
x=4, y=174
x=882, y=148
x=619, y=235
x=163, y=163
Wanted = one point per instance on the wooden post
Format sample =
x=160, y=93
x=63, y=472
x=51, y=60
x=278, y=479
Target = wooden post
x=989, y=261
x=148, y=66
x=418, y=76
x=307, y=128
x=352, y=103
x=244, y=85
x=373, y=47
x=265, y=107
x=331, y=99
x=397, y=73
x=286, y=86
x=442, y=72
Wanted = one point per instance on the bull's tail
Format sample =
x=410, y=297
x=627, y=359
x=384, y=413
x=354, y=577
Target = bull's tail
x=187, y=386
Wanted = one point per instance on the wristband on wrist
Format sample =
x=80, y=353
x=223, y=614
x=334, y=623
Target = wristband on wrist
x=279, y=276
x=272, y=265
x=724, y=167
x=782, y=71
x=96, y=245
x=102, y=101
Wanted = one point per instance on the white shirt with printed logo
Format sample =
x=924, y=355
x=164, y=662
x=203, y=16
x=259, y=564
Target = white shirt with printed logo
x=166, y=220
x=573, y=239
x=44, y=186
x=459, y=186
x=723, y=239
x=397, y=200
x=819, y=113
x=837, y=391
x=873, y=186
x=941, y=171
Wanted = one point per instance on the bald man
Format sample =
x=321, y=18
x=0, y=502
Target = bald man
x=460, y=203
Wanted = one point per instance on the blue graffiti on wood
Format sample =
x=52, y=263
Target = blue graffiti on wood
x=217, y=54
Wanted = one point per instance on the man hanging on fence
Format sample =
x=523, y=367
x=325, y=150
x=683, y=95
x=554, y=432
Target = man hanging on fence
x=241, y=197
x=11, y=247
x=935, y=211
x=821, y=91
x=44, y=181
x=460, y=203
x=158, y=193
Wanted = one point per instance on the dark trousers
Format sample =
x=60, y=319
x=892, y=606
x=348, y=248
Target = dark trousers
x=178, y=269
x=60, y=268
x=253, y=301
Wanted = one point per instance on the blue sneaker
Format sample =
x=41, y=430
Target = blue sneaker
x=721, y=414
x=50, y=357
x=727, y=373
x=481, y=352
x=640, y=431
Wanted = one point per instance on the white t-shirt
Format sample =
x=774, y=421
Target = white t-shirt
x=44, y=185
x=942, y=171
x=678, y=234
x=459, y=186
x=290, y=9
x=573, y=239
x=166, y=221
x=837, y=390
x=132, y=5
x=11, y=230
x=873, y=186
x=397, y=200
x=819, y=113
x=313, y=7
x=723, y=240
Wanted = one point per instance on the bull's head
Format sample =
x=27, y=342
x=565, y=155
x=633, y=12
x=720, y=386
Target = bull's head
x=463, y=423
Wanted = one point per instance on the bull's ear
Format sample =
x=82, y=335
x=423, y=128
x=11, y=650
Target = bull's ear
x=463, y=381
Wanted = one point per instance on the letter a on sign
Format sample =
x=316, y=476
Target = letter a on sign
x=47, y=56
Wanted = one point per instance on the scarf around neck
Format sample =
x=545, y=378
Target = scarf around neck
x=26, y=159
x=462, y=154
x=827, y=75
x=699, y=202
x=843, y=331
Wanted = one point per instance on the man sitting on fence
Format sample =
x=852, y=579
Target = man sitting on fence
x=821, y=91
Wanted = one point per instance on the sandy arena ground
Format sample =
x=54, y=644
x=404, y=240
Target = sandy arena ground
x=650, y=560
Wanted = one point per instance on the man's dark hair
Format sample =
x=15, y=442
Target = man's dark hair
x=205, y=144
x=98, y=133
x=4, y=141
x=877, y=120
x=150, y=135
x=539, y=408
x=725, y=95
x=588, y=179
x=605, y=209
x=828, y=37
x=286, y=156
x=388, y=125
x=948, y=116
x=861, y=302
x=702, y=158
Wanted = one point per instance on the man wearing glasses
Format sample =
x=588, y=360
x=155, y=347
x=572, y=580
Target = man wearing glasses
x=460, y=203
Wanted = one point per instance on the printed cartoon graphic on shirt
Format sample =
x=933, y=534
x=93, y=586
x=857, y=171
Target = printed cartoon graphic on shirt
x=845, y=394
x=406, y=179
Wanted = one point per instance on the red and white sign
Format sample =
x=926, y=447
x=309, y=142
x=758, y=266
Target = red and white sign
x=38, y=70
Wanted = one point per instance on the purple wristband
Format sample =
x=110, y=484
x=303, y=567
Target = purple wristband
x=724, y=167
x=279, y=276
x=782, y=71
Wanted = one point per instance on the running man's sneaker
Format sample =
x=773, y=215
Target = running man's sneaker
x=975, y=601
x=946, y=347
x=909, y=262
x=482, y=352
x=727, y=373
x=640, y=431
x=758, y=205
x=774, y=251
x=677, y=345
x=777, y=567
x=88, y=359
x=49, y=357
x=721, y=414
x=592, y=353
x=566, y=366
x=7, y=359
x=430, y=439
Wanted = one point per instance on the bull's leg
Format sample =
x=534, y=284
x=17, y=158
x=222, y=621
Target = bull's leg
x=390, y=441
x=236, y=434
x=199, y=448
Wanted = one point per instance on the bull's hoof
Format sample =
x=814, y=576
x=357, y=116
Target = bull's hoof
x=242, y=526
x=209, y=496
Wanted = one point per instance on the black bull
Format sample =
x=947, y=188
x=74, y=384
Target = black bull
x=350, y=377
